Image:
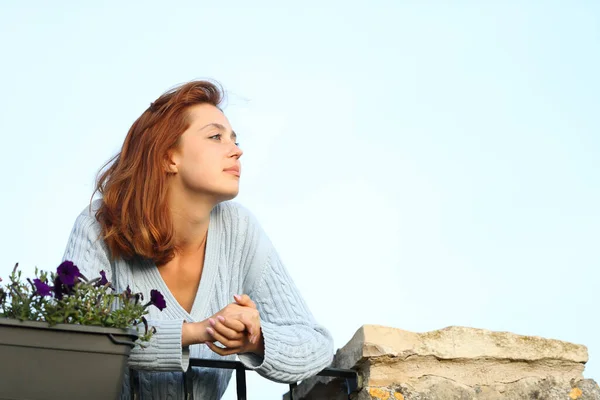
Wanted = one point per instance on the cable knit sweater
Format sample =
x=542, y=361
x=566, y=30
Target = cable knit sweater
x=239, y=259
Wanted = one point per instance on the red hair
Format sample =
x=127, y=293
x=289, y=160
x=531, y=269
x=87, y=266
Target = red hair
x=134, y=214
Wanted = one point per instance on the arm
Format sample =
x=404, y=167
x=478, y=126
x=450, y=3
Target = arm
x=88, y=251
x=295, y=345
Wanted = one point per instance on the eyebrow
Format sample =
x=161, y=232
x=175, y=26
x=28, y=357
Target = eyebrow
x=220, y=127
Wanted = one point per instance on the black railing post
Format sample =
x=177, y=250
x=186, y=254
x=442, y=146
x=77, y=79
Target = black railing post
x=134, y=384
x=240, y=380
x=188, y=384
x=352, y=385
x=292, y=387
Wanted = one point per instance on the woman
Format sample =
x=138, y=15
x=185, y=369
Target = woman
x=165, y=222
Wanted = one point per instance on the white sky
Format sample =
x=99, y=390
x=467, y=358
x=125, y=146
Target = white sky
x=417, y=165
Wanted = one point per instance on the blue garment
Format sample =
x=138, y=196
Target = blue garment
x=239, y=259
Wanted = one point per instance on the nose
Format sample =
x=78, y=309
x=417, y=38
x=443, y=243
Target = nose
x=236, y=152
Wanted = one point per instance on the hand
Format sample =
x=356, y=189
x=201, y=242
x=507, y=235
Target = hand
x=237, y=327
x=234, y=329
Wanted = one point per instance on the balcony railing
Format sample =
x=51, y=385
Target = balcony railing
x=350, y=376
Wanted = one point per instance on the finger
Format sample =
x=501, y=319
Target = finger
x=223, y=351
x=223, y=340
x=252, y=325
x=225, y=331
x=232, y=323
x=244, y=300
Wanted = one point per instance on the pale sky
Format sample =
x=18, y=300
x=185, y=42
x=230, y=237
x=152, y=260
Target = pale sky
x=417, y=165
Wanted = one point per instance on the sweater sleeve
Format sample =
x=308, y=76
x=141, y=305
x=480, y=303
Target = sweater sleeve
x=88, y=251
x=296, y=346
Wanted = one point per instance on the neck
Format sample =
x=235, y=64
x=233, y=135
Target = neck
x=191, y=216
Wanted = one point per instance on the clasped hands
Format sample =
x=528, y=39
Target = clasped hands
x=236, y=327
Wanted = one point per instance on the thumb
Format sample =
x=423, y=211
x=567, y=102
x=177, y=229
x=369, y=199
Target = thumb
x=244, y=300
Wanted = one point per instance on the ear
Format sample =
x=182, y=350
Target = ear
x=171, y=162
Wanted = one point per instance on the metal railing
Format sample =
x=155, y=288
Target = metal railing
x=350, y=376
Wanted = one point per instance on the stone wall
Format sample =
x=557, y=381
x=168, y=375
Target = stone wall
x=456, y=363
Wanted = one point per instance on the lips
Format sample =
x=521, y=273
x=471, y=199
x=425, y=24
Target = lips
x=235, y=170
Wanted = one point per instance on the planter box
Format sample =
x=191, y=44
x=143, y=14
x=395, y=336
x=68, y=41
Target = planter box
x=62, y=362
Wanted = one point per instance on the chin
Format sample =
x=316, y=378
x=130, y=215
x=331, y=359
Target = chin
x=229, y=194
x=232, y=195
x=222, y=192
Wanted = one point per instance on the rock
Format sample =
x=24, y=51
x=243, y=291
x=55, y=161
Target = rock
x=456, y=363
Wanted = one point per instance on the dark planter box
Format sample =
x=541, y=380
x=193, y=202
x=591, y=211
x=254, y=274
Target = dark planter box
x=62, y=362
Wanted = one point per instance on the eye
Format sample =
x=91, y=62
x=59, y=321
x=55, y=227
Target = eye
x=237, y=144
x=217, y=136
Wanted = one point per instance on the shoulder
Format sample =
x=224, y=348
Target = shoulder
x=89, y=211
x=85, y=246
x=86, y=221
x=233, y=215
x=231, y=209
x=240, y=224
x=249, y=246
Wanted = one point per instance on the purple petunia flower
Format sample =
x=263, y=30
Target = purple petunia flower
x=68, y=273
x=41, y=288
x=103, y=281
x=157, y=299
x=58, y=289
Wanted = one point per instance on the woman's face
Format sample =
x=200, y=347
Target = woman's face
x=206, y=160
